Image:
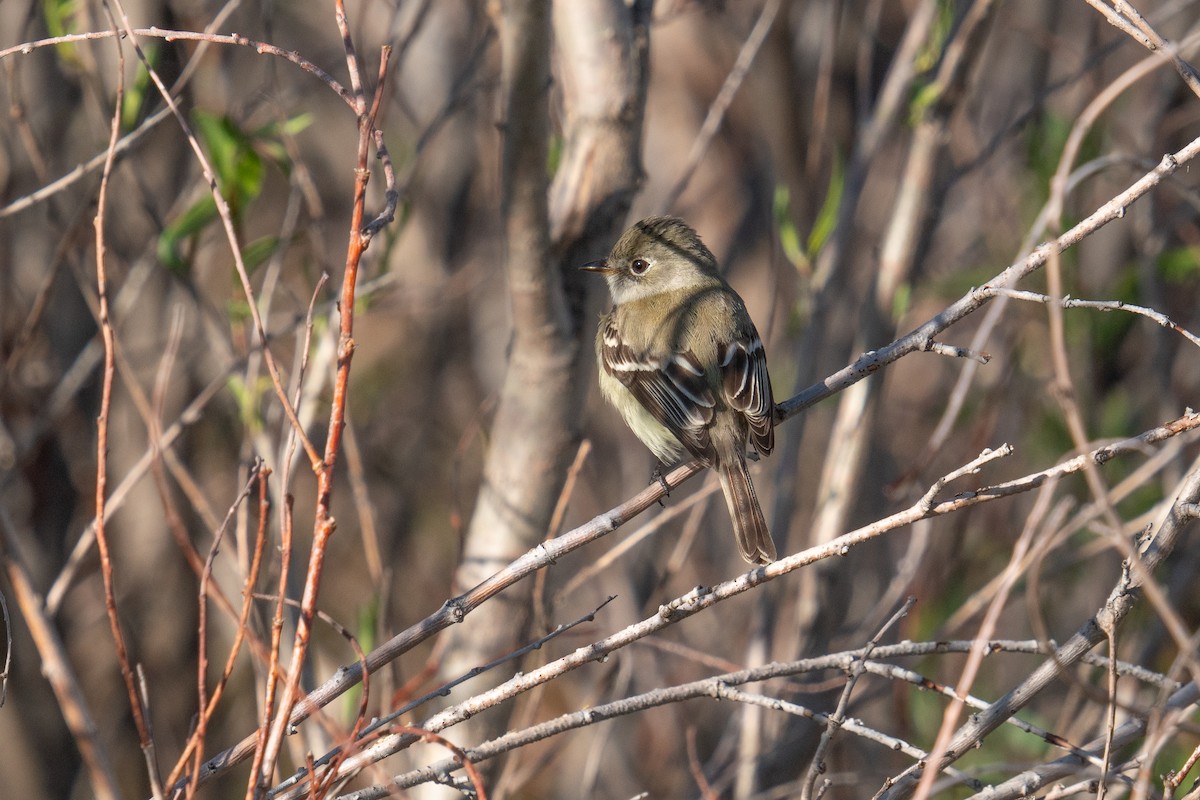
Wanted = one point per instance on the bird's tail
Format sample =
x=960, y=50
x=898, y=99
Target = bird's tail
x=753, y=539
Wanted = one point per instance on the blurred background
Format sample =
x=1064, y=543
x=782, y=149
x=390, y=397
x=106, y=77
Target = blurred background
x=876, y=160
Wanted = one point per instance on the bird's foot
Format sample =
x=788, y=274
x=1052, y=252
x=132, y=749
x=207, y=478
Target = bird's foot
x=658, y=477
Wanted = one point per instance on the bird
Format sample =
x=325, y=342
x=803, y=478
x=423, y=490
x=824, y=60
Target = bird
x=680, y=359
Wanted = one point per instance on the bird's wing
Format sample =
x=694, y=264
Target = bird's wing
x=672, y=388
x=746, y=387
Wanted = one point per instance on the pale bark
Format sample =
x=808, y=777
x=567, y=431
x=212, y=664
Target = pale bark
x=536, y=428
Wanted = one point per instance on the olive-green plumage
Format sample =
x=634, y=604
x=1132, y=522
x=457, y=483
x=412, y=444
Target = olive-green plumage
x=681, y=361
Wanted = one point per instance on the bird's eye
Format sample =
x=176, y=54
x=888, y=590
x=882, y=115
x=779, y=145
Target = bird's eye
x=639, y=266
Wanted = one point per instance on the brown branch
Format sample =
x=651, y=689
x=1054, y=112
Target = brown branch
x=256, y=743
x=207, y=705
x=918, y=339
x=1152, y=551
x=716, y=111
x=324, y=524
x=128, y=141
x=6, y=669
x=262, y=48
x=55, y=665
x=260, y=474
x=705, y=597
x=226, y=216
x=722, y=687
x=381, y=724
x=1123, y=16
x=106, y=331
x=1026, y=783
x=457, y=608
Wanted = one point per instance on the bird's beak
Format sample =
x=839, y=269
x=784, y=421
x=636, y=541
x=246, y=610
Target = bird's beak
x=600, y=266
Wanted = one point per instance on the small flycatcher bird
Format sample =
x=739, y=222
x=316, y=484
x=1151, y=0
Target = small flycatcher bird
x=680, y=359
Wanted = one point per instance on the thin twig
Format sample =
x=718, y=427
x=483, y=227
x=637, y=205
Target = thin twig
x=206, y=706
x=324, y=523
x=261, y=474
x=1127, y=19
x=101, y=495
x=1067, y=301
x=970, y=671
x=540, y=611
x=1152, y=551
x=703, y=597
x=838, y=719
x=455, y=609
x=130, y=140
x=729, y=89
x=1110, y=725
x=696, y=768
x=1175, y=777
x=443, y=690
x=55, y=664
x=4, y=672
x=918, y=339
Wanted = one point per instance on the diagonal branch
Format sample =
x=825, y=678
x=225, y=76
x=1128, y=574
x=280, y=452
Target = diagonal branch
x=455, y=609
x=704, y=597
x=1152, y=551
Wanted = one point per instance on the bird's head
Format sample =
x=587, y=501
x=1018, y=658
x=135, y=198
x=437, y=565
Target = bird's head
x=657, y=254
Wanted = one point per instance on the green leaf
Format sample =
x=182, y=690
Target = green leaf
x=554, y=155
x=255, y=254
x=246, y=400
x=368, y=622
x=268, y=139
x=1047, y=139
x=922, y=100
x=184, y=228
x=289, y=127
x=901, y=301
x=239, y=169
x=297, y=124
x=826, y=220
x=237, y=159
x=62, y=19
x=943, y=23
x=136, y=93
x=1179, y=265
x=789, y=236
